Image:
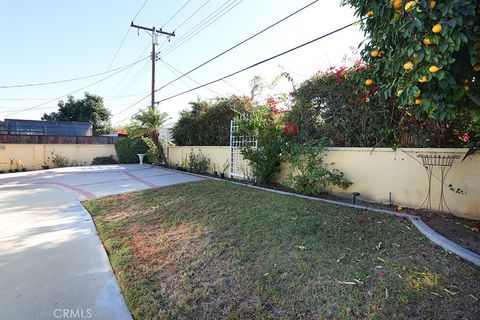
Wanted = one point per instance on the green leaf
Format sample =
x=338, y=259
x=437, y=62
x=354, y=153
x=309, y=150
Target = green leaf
x=440, y=74
x=442, y=47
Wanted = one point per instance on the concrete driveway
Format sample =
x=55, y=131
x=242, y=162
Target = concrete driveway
x=52, y=263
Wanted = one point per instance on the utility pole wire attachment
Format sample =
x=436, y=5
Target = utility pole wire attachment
x=155, y=33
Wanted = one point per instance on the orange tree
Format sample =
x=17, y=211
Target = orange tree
x=425, y=53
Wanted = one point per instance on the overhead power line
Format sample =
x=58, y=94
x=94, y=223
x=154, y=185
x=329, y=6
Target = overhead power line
x=125, y=37
x=45, y=99
x=133, y=105
x=238, y=44
x=241, y=70
x=214, y=16
x=258, y=63
x=175, y=71
x=191, y=16
x=118, y=49
x=72, y=79
x=139, y=10
x=129, y=71
x=72, y=92
x=193, y=29
x=176, y=13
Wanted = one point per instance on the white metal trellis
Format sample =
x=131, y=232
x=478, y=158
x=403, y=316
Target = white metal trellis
x=239, y=167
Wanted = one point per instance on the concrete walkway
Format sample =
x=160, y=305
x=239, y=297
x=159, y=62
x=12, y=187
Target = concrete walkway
x=52, y=263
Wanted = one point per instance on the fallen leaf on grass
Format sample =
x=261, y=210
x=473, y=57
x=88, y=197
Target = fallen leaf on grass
x=346, y=282
x=435, y=294
x=338, y=260
x=380, y=259
x=475, y=298
x=300, y=247
x=450, y=292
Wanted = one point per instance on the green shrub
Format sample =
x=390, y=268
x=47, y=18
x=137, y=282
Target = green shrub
x=128, y=148
x=104, y=160
x=308, y=174
x=58, y=160
x=152, y=152
x=266, y=125
x=198, y=163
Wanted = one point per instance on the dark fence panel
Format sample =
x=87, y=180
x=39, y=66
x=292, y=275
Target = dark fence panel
x=48, y=128
x=40, y=139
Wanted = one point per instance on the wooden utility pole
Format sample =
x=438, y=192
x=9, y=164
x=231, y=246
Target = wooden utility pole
x=155, y=34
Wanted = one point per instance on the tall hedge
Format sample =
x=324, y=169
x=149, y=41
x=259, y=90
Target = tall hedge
x=208, y=124
x=128, y=148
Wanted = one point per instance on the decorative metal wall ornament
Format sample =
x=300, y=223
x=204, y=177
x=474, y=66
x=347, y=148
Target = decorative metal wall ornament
x=445, y=163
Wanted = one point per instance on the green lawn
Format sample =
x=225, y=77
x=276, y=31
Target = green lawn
x=216, y=250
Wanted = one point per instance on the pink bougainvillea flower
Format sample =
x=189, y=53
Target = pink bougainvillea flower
x=271, y=102
x=290, y=128
x=382, y=274
x=465, y=137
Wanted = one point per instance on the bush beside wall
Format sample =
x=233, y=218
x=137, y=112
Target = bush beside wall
x=128, y=148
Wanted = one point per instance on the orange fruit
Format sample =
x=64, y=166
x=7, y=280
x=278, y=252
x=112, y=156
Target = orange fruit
x=433, y=69
x=408, y=65
x=423, y=79
x=437, y=28
x=397, y=4
x=368, y=82
x=410, y=5
x=466, y=88
x=427, y=41
x=418, y=101
x=476, y=68
x=374, y=53
x=370, y=13
x=432, y=4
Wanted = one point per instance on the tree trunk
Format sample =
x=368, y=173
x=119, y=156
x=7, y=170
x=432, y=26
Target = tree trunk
x=161, y=155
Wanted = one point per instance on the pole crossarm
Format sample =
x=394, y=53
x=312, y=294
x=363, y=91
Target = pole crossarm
x=159, y=31
x=154, y=33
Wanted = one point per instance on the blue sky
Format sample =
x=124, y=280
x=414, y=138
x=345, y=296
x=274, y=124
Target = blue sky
x=53, y=40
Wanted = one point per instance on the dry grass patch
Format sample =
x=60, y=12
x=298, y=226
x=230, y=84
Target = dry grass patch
x=212, y=250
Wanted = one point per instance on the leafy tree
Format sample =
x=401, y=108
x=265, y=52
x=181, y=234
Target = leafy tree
x=332, y=105
x=425, y=52
x=208, y=124
x=89, y=109
x=147, y=123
